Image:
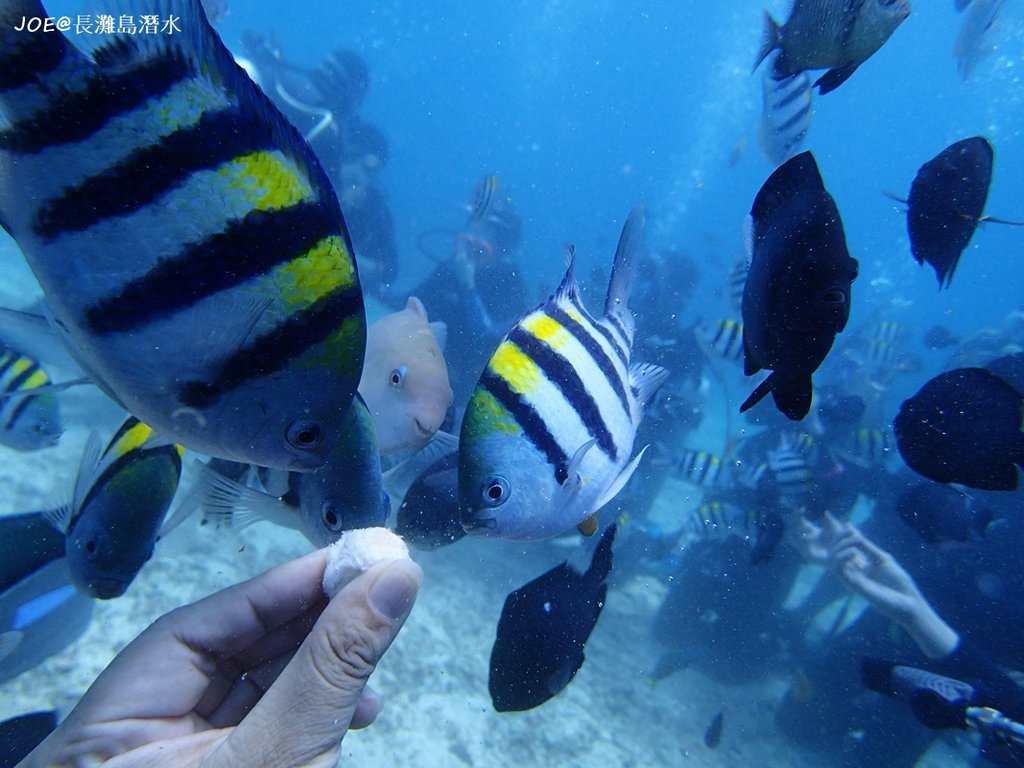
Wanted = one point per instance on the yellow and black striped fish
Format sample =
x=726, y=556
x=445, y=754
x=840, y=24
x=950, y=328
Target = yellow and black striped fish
x=28, y=420
x=721, y=338
x=117, y=509
x=188, y=242
x=701, y=468
x=547, y=438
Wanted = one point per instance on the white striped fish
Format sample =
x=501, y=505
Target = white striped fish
x=717, y=520
x=785, y=115
x=721, y=338
x=701, y=468
x=189, y=244
x=28, y=421
x=547, y=437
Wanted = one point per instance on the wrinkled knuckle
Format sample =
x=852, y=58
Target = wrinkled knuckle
x=350, y=654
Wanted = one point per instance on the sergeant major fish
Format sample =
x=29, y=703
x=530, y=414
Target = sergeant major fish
x=159, y=197
x=29, y=411
x=797, y=295
x=548, y=433
x=837, y=35
x=117, y=509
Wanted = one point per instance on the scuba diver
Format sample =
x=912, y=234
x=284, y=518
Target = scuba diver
x=324, y=103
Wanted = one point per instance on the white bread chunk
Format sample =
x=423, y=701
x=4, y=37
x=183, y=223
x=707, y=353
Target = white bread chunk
x=356, y=551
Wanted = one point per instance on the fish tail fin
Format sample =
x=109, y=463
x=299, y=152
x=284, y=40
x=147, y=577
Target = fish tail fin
x=601, y=564
x=769, y=42
x=627, y=255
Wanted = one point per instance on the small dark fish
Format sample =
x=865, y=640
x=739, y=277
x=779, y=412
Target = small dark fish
x=947, y=198
x=939, y=337
x=713, y=734
x=964, y=426
x=939, y=513
x=120, y=498
x=837, y=35
x=797, y=295
x=543, y=628
x=428, y=517
x=20, y=735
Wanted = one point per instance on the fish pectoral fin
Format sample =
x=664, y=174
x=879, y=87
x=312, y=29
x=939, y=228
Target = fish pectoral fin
x=758, y=394
x=573, y=482
x=620, y=482
x=995, y=220
x=46, y=388
x=834, y=78
x=589, y=526
x=228, y=502
x=229, y=336
x=645, y=379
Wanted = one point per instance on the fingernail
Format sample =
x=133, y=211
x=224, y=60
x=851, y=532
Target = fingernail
x=394, y=590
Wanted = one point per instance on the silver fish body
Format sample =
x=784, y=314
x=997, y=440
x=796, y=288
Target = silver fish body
x=547, y=437
x=189, y=244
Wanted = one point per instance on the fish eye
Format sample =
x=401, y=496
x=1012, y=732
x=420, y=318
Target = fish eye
x=92, y=548
x=835, y=296
x=304, y=434
x=397, y=377
x=329, y=514
x=495, y=491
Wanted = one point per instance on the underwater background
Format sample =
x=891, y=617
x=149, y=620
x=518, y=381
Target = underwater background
x=583, y=110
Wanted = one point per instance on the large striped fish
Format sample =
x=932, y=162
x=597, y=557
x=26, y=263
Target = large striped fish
x=189, y=244
x=547, y=436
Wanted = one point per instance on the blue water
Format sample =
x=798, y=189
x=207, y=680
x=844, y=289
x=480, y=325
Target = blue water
x=585, y=109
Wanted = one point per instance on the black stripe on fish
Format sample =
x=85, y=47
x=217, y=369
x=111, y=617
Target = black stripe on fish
x=529, y=421
x=39, y=54
x=6, y=361
x=22, y=377
x=249, y=247
x=152, y=171
x=791, y=95
x=604, y=330
x=564, y=375
x=595, y=350
x=272, y=351
x=18, y=410
x=126, y=426
x=797, y=118
x=79, y=114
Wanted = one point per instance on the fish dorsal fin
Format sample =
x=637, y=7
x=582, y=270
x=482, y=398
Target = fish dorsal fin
x=620, y=482
x=415, y=306
x=90, y=466
x=440, y=330
x=627, y=257
x=798, y=174
x=589, y=526
x=568, y=289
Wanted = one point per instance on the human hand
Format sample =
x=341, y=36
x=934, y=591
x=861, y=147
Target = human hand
x=265, y=673
x=816, y=542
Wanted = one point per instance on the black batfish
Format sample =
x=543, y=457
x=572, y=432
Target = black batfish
x=946, y=202
x=964, y=426
x=797, y=295
x=543, y=628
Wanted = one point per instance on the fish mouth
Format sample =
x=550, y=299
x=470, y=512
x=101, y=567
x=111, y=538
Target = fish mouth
x=479, y=524
x=107, y=589
x=424, y=431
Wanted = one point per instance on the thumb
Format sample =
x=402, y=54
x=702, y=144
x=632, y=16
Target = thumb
x=303, y=717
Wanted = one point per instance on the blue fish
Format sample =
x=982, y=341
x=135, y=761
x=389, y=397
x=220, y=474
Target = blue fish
x=190, y=247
